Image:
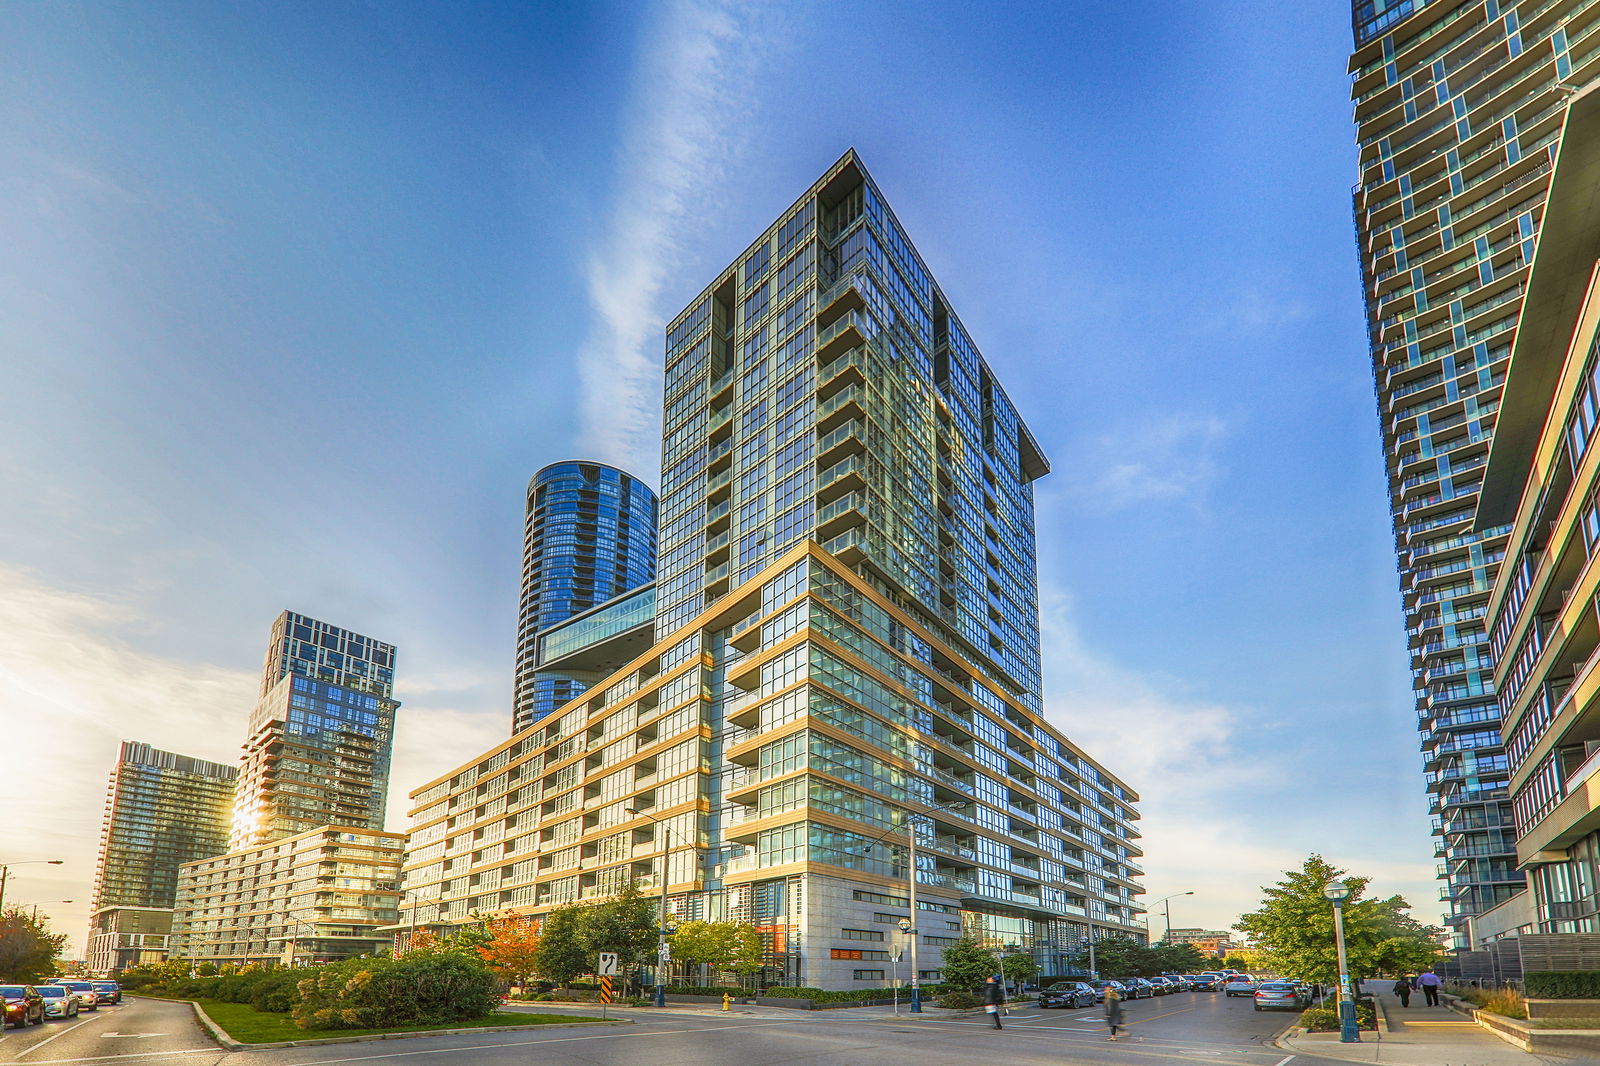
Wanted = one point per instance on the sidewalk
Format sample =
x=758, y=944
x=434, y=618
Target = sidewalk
x=1418, y=1035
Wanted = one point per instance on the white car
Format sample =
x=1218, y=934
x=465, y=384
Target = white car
x=1240, y=985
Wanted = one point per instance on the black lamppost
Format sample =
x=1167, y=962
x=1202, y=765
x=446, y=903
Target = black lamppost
x=5, y=871
x=663, y=956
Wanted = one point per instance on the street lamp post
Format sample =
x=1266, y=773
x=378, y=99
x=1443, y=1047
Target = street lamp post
x=661, y=927
x=1337, y=892
x=1166, y=901
x=5, y=871
x=911, y=881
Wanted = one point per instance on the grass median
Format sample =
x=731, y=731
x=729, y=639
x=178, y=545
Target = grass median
x=247, y=1025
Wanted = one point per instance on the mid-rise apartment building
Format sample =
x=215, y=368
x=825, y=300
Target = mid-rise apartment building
x=589, y=536
x=1458, y=107
x=313, y=897
x=162, y=810
x=1543, y=482
x=846, y=647
x=320, y=735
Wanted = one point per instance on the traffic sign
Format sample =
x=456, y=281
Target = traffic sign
x=605, y=989
x=608, y=964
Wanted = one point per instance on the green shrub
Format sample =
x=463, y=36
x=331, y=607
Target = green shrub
x=383, y=993
x=823, y=995
x=958, y=999
x=1326, y=1019
x=276, y=991
x=1562, y=984
x=707, y=990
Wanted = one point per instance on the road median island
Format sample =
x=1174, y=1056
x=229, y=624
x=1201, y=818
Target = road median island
x=240, y=1027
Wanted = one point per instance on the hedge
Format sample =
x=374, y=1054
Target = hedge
x=1561, y=984
x=822, y=995
x=1326, y=1019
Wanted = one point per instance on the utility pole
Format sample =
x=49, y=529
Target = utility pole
x=5, y=871
x=661, y=926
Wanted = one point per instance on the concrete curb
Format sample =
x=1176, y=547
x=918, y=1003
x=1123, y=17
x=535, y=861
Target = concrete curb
x=220, y=1035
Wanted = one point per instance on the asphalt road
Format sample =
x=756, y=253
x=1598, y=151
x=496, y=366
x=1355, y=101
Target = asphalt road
x=140, y=1032
x=1184, y=1028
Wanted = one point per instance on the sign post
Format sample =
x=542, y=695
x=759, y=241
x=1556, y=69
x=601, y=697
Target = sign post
x=606, y=971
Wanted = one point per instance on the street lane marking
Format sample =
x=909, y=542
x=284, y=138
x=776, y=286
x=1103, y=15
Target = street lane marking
x=1285, y=1059
x=53, y=1036
x=525, y=1043
x=128, y=1055
x=1153, y=1017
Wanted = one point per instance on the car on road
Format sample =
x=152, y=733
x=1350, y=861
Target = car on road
x=1100, y=987
x=109, y=991
x=24, y=1006
x=1205, y=982
x=1138, y=988
x=1163, y=985
x=1280, y=995
x=1068, y=994
x=59, y=1001
x=1240, y=985
x=88, y=998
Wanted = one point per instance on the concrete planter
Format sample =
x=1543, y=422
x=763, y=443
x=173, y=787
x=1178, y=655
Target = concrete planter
x=1564, y=1010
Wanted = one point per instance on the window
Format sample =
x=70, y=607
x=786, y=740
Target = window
x=867, y=975
x=861, y=934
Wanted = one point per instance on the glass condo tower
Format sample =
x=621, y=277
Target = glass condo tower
x=846, y=650
x=1458, y=108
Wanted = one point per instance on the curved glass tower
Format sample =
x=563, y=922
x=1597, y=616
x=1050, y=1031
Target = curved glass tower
x=589, y=536
x=1458, y=110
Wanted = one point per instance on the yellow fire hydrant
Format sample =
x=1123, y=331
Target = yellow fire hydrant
x=726, y=1000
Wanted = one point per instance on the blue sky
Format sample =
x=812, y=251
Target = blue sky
x=295, y=297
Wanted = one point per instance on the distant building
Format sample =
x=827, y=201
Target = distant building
x=589, y=537
x=845, y=644
x=162, y=810
x=310, y=873
x=1207, y=941
x=315, y=897
x=320, y=736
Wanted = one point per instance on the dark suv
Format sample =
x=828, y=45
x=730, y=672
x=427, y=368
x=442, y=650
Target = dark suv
x=1067, y=994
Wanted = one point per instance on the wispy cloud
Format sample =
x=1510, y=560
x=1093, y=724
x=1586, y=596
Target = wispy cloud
x=690, y=93
x=1171, y=457
x=1190, y=757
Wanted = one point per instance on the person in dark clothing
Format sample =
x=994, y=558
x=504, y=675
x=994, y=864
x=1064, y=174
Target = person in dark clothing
x=993, y=997
x=1402, y=988
x=1429, y=983
x=1113, y=1012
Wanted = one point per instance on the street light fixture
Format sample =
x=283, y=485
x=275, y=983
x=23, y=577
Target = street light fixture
x=662, y=955
x=1337, y=892
x=5, y=871
x=911, y=872
x=1168, y=910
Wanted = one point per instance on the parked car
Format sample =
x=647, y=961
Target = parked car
x=109, y=991
x=1163, y=985
x=1100, y=987
x=1068, y=994
x=59, y=1001
x=1279, y=995
x=1240, y=985
x=1205, y=982
x=24, y=1006
x=88, y=998
x=1138, y=988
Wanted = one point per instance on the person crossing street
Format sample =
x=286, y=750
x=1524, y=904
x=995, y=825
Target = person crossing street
x=993, y=998
x=1113, y=1011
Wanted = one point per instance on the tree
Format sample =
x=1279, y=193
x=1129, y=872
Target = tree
x=560, y=954
x=512, y=948
x=1178, y=958
x=967, y=965
x=1019, y=968
x=1294, y=929
x=626, y=924
x=28, y=950
x=749, y=950
x=1116, y=957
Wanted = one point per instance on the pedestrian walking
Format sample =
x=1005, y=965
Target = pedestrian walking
x=1402, y=988
x=1113, y=1012
x=993, y=997
x=1429, y=983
